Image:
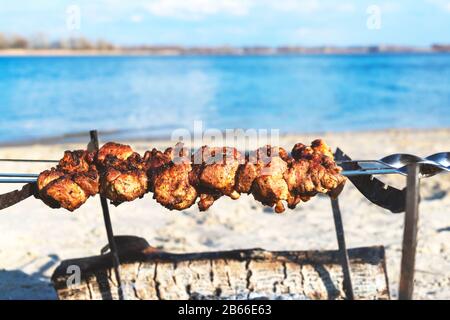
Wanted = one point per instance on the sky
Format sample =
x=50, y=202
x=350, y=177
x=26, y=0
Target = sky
x=233, y=22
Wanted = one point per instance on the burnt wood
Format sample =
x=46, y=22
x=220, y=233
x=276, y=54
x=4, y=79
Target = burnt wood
x=147, y=273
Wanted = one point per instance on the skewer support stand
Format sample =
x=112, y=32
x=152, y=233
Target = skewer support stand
x=343, y=254
x=108, y=226
x=406, y=286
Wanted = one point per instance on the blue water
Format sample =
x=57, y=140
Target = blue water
x=144, y=96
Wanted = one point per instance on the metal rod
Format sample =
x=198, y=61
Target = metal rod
x=343, y=254
x=359, y=161
x=352, y=173
x=27, y=160
x=348, y=173
x=13, y=180
x=108, y=226
x=406, y=287
x=19, y=175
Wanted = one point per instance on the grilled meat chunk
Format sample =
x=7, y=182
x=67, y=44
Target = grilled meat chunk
x=122, y=173
x=64, y=192
x=116, y=150
x=246, y=175
x=170, y=178
x=313, y=171
x=214, y=174
x=155, y=160
x=71, y=183
x=172, y=188
x=88, y=181
x=47, y=176
x=121, y=184
x=76, y=161
x=269, y=187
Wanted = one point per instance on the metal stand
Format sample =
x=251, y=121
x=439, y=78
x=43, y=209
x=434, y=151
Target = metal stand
x=339, y=227
x=108, y=226
x=340, y=235
x=406, y=287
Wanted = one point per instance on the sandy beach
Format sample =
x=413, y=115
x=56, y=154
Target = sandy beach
x=35, y=238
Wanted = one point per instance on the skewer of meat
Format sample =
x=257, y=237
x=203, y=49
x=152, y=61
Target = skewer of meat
x=176, y=179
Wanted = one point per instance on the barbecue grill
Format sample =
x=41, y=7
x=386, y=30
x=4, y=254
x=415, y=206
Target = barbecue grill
x=360, y=172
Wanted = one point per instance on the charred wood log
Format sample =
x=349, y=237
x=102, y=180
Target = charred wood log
x=238, y=274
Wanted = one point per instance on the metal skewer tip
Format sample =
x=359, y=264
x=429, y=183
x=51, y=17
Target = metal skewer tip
x=18, y=175
x=14, y=180
x=28, y=160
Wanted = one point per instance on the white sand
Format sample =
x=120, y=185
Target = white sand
x=34, y=238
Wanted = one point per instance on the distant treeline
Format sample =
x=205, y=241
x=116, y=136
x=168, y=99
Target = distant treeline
x=41, y=42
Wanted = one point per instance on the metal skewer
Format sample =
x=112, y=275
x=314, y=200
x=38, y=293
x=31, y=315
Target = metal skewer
x=19, y=175
x=358, y=161
x=12, y=180
x=370, y=172
x=28, y=160
x=347, y=173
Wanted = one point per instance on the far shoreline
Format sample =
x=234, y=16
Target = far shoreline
x=83, y=137
x=199, y=53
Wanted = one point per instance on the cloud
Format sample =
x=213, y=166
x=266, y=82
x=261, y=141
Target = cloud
x=305, y=6
x=136, y=18
x=346, y=8
x=197, y=9
x=390, y=7
x=441, y=4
